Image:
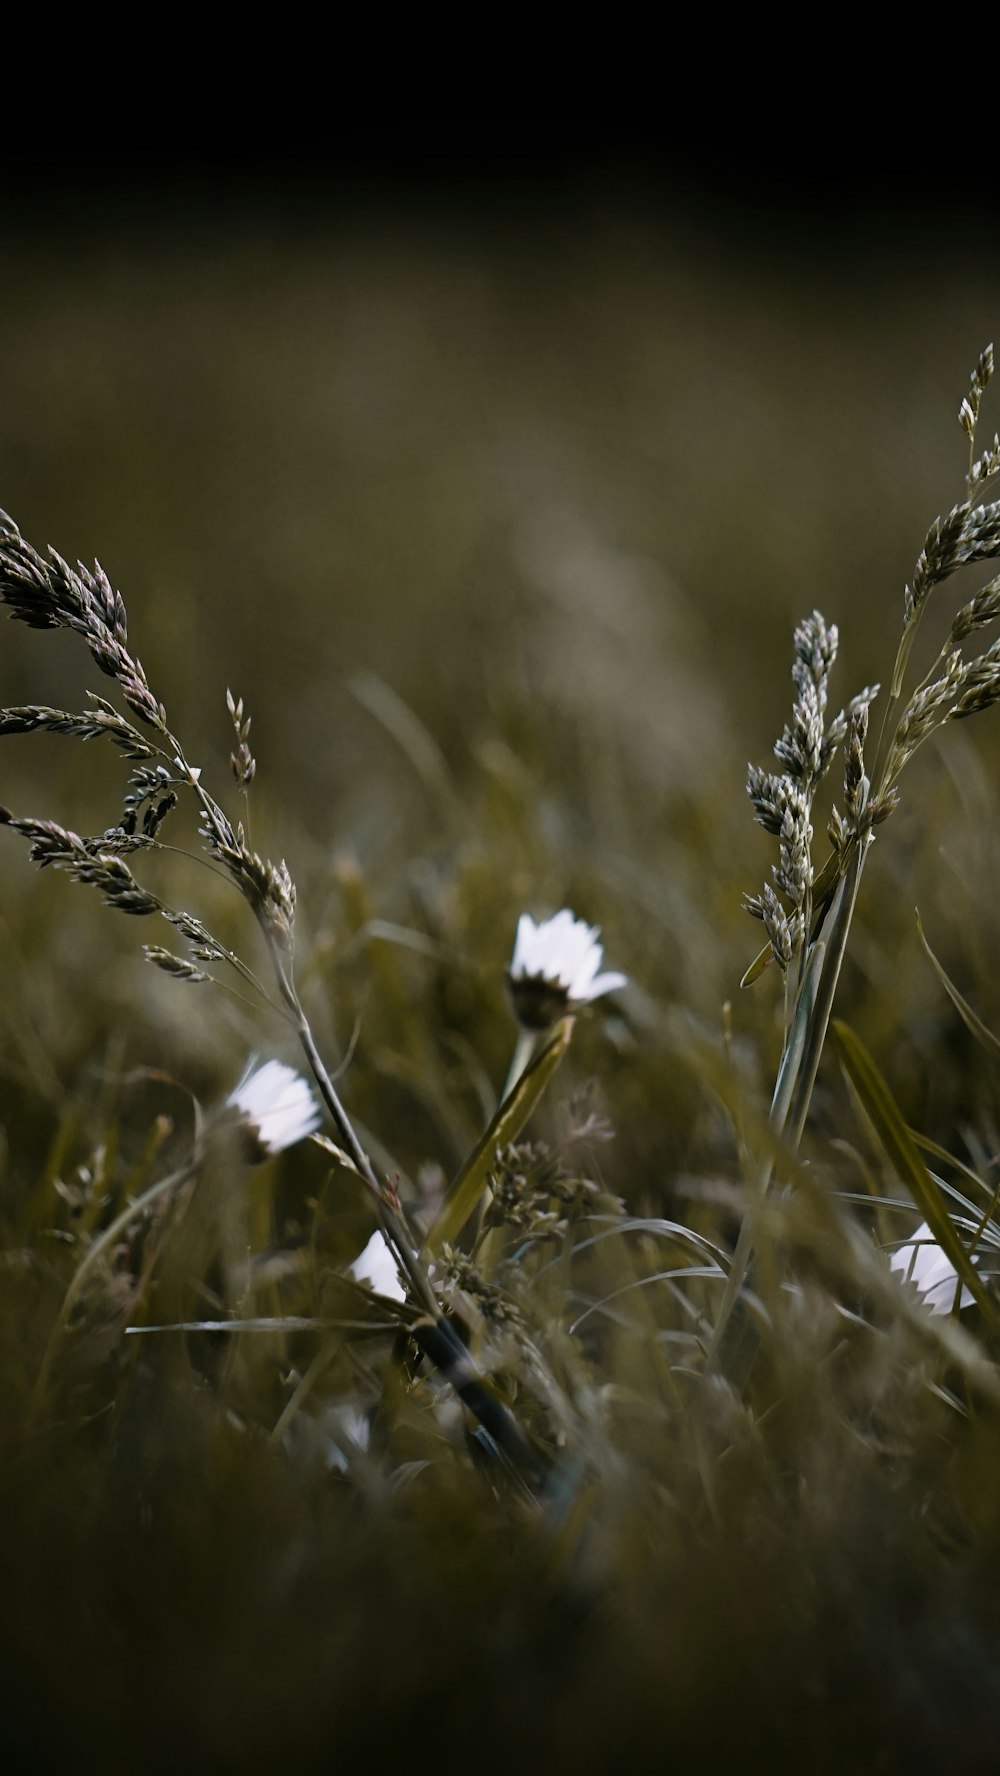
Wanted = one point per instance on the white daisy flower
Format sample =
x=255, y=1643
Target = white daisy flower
x=346, y=1432
x=555, y=966
x=278, y=1106
x=922, y=1261
x=377, y=1266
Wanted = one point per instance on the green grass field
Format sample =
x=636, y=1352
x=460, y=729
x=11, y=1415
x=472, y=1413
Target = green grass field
x=500, y=528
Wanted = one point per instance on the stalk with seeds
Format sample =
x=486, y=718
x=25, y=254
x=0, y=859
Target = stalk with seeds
x=807, y=913
x=46, y=593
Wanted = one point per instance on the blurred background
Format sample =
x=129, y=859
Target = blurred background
x=493, y=477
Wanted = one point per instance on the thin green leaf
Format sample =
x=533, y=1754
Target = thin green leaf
x=284, y=1323
x=757, y=966
x=661, y=1276
x=968, y=1016
x=505, y=1127
x=798, y=1036
x=902, y=1151
x=409, y=732
x=835, y=930
x=926, y=1145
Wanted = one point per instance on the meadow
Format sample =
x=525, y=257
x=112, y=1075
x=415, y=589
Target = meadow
x=510, y=537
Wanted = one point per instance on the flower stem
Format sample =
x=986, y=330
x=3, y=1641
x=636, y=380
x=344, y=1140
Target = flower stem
x=524, y=1048
x=435, y=1336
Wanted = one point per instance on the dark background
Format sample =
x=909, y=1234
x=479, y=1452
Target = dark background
x=549, y=434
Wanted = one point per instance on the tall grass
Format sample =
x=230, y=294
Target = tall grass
x=641, y=1439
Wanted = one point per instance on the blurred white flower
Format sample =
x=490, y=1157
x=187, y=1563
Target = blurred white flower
x=377, y=1266
x=335, y=1436
x=556, y=965
x=346, y=1433
x=278, y=1106
x=922, y=1261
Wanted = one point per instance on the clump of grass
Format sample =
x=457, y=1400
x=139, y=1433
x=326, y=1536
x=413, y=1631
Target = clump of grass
x=807, y=913
x=669, y=1441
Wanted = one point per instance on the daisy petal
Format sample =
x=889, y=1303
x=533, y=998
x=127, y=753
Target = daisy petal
x=556, y=965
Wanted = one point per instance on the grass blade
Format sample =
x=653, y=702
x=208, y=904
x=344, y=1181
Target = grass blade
x=507, y=1124
x=901, y=1149
x=968, y=1016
